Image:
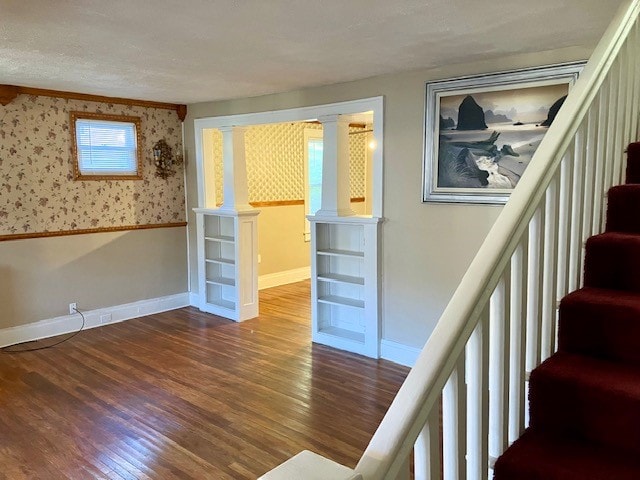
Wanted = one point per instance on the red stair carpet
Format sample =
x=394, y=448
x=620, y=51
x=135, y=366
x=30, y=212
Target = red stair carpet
x=585, y=399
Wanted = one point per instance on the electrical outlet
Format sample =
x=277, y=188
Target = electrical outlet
x=72, y=308
x=259, y=258
x=105, y=318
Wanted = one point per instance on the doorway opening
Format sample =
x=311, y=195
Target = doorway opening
x=283, y=163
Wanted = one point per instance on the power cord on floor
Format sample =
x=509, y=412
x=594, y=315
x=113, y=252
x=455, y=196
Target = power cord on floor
x=12, y=348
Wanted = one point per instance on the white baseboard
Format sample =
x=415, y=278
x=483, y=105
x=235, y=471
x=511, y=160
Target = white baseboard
x=282, y=278
x=194, y=299
x=93, y=318
x=399, y=353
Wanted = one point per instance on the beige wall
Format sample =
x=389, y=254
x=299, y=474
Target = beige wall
x=40, y=277
x=426, y=247
x=280, y=239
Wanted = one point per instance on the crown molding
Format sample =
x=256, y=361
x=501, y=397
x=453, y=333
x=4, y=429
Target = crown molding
x=9, y=92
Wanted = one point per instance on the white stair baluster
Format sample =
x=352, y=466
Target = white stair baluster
x=549, y=276
x=477, y=370
x=589, y=182
x=575, y=242
x=517, y=343
x=600, y=160
x=619, y=142
x=454, y=411
x=427, y=454
x=499, y=368
x=564, y=223
x=612, y=131
x=534, y=288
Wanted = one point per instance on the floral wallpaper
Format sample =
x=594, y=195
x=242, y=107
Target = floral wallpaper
x=37, y=190
x=275, y=156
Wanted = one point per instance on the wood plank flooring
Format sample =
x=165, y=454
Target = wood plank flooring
x=185, y=394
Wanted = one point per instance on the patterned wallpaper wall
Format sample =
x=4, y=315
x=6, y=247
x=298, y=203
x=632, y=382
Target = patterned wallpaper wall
x=275, y=161
x=37, y=189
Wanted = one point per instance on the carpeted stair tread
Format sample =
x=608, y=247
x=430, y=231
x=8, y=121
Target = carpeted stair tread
x=585, y=399
x=536, y=456
x=612, y=260
x=633, y=163
x=622, y=209
x=602, y=323
x=591, y=398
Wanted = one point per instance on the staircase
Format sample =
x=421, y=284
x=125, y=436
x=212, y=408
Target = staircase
x=585, y=399
x=464, y=405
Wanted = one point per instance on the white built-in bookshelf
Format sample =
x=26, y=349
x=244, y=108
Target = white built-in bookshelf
x=227, y=262
x=344, y=283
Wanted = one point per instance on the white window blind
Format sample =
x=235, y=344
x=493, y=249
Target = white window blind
x=106, y=147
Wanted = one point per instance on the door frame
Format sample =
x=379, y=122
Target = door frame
x=375, y=105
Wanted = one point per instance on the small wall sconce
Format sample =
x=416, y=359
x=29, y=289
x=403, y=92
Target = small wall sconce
x=164, y=160
x=372, y=144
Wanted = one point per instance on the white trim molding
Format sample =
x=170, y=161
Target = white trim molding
x=399, y=353
x=283, y=278
x=93, y=318
x=194, y=299
x=301, y=114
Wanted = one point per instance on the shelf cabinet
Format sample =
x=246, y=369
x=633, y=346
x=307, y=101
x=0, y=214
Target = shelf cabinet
x=345, y=307
x=227, y=259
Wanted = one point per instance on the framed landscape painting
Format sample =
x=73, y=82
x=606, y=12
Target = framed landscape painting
x=481, y=132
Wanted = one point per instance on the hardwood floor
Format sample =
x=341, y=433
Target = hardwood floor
x=184, y=394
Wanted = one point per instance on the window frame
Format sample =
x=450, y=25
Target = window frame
x=77, y=174
x=309, y=134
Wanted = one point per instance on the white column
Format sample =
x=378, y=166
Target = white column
x=236, y=204
x=336, y=195
x=208, y=176
x=236, y=197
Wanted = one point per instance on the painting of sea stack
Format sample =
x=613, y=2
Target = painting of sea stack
x=484, y=139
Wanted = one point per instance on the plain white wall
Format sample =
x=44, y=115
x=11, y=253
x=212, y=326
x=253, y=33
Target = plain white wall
x=426, y=247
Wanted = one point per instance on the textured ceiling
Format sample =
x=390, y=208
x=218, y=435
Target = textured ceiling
x=197, y=50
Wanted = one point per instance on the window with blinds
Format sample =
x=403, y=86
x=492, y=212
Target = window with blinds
x=105, y=146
